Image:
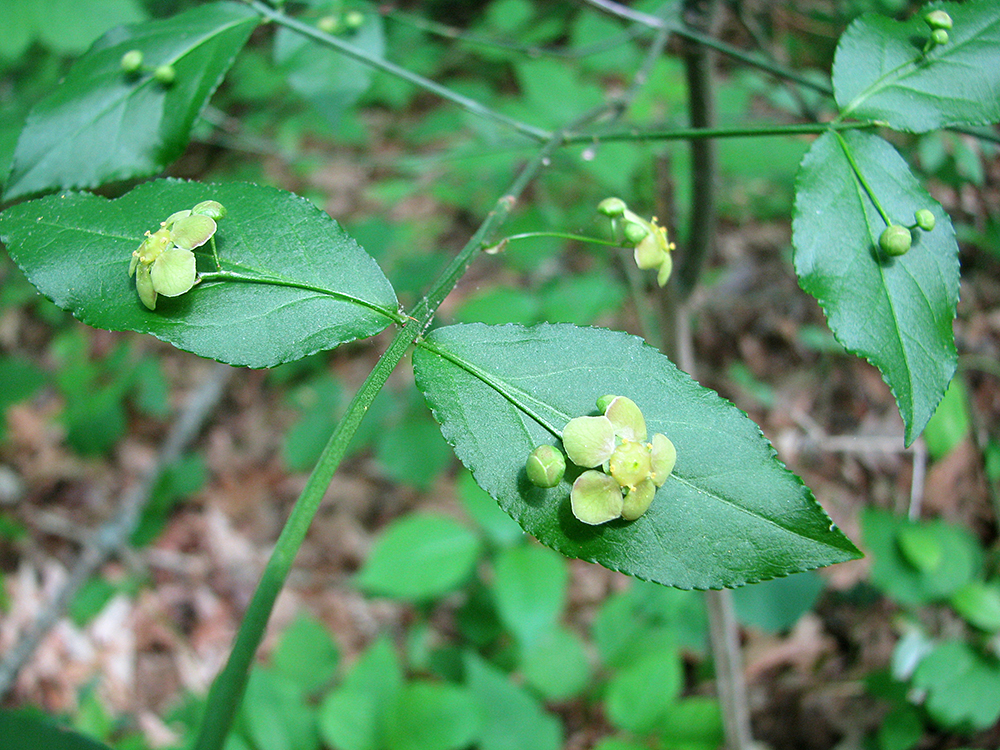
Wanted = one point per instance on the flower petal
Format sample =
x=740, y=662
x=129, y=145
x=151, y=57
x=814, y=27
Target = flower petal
x=173, y=273
x=650, y=253
x=627, y=420
x=638, y=500
x=664, y=456
x=144, y=286
x=589, y=441
x=596, y=498
x=192, y=231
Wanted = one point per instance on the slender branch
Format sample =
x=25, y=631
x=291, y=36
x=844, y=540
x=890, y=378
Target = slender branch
x=862, y=181
x=227, y=689
x=110, y=538
x=702, y=133
x=385, y=66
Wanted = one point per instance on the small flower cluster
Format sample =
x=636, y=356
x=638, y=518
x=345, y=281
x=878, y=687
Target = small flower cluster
x=132, y=64
x=940, y=23
x=163, y=263
x=624, y=471
x=652, y=250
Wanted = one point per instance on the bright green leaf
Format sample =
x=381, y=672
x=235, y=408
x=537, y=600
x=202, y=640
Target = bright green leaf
x=639, y=693
x=556, y=665
x=963, y=689
x=497, y=525
x=950, y=423
x=693, y=720
x=979, y=604
x=895, y=312
x=420, y=557
x=511, y=718
x=432, y=716
x=729, y=514
x=307, y=285
x=879, y=72
x=275, y=714
x=306, y=654
x=530, y=588
x=100, y=124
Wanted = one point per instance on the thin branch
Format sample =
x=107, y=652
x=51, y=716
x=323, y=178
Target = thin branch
x=113, y=536
x=471, y=105
x=703, y=133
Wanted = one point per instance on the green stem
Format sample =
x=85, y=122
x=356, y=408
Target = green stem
x=863, y=182
x=227, y=689
x=385, y=66
x=701, y=133
x=561, y=236
x=221, y=275
x=215, y=252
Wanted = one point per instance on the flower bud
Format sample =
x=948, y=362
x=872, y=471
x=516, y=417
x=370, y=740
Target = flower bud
x=211, y=209
x=328, y=24
x=546, y=466
x=132, y=61
x=165, y=75
x=895, y=240
x=612, y=207
x=939, y=36
x=354, y=19
x=925, y=219
x=604, y=402
x=938, y=19
x=635, y=233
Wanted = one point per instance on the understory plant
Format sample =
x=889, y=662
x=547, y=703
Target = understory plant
x=591, y=439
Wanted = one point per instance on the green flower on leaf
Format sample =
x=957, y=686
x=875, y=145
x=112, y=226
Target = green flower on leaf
x=164, y=263
x=625, y=470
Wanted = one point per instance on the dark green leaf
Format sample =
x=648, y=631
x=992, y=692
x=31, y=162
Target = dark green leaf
x=879, y=72
x=22, y=731
x=729, y=514
x=963, y=689
x=777, y=605
x=512, y=718
x=420, y=557
x=895, y=312
x=432, y=716
x=312, y=288
x=102, y=124
x=901, y=729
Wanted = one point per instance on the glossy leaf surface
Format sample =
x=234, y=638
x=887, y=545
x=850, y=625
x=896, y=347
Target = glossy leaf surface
x=307, y=286
x=102, y=124
x=729, y=514
x=895, y=312
x=880, y=73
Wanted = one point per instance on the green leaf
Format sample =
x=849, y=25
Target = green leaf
x=556, y=665
x=306, y=285
x=729, y=514
x=963, y=689
x=638, y=694
x=950, y=423
x=23, y=731
x=979, y=604
x=694, y=720
x=774, y=606
x=530, y=589
x=275, y=714
x=495, y=524
x=511, y=718
x=432, y=716
x=960, y=557
x=420, y=557
x=101, y=124
x=879, y=72
x=68, y=27
x=897, y=313
x=330, y=80
x=306, y=654
x=901, y=729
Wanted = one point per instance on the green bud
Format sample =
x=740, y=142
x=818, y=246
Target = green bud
x=895, y=240
x=328, y=24
x=925, y=219
x=604, y=402
x=546, y=466
x=635, y=233
x=132, y=61
x=165, y=75
x=211, y=209
x=939, y=36
x=354, y=19
x=938, y=19
x=612, y=207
